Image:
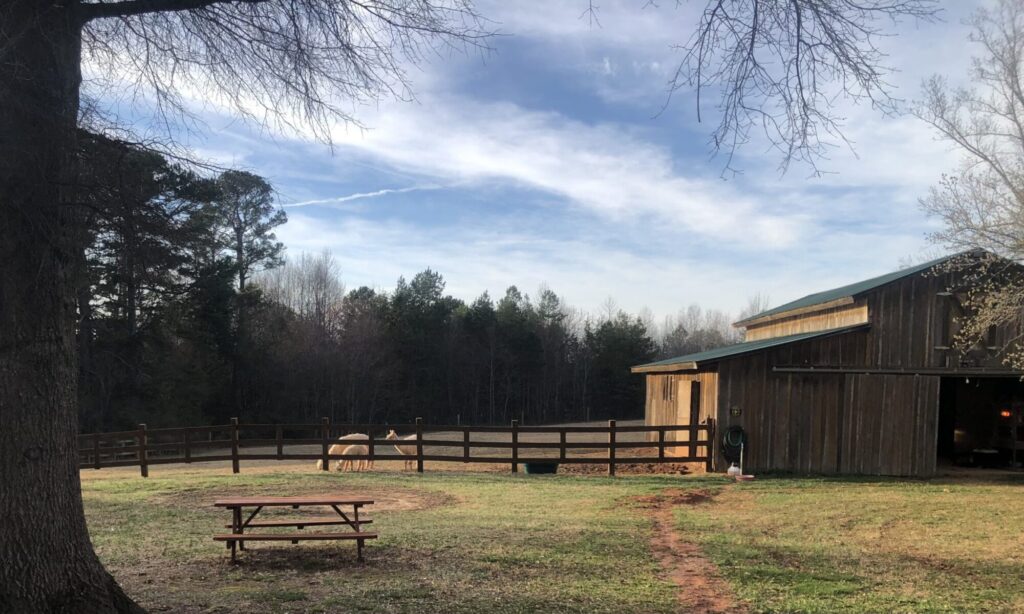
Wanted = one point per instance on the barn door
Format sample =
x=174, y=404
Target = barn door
x=687, y=413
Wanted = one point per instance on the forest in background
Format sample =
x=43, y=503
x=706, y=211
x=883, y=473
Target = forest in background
x=189, y=314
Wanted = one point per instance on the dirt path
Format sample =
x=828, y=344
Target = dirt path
x=701, y=588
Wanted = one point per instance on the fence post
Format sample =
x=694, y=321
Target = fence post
x=611, y=448
x=419, y=445
x=369, y=433
x=325, y=441
x=561, y=449
x=143, y=466
x=96, y=449
x=465, y=445
x=278, y=436
x=661, y=444
x=188, y=445
x=709, y=463
x=234, y=445
x=515, y=446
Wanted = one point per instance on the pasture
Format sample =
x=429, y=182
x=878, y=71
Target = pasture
x=458, y=541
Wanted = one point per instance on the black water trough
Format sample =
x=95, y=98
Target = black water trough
x=541, y=468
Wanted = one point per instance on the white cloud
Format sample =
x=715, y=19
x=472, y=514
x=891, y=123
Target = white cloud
x=607, y=169
x=680, y=234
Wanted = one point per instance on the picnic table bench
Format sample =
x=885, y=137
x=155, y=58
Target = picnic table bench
x=238, y=536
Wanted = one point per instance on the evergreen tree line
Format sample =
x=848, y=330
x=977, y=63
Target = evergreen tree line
x=189, y=314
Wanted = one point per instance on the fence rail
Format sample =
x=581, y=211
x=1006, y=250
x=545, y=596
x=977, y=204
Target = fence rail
x=144, y=447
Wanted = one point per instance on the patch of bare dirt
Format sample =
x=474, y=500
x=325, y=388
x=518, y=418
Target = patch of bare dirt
x=390, y=499
x=203, y=585
x=701, y=588
x=630, y=469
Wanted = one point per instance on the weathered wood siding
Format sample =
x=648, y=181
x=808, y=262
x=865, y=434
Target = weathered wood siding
x=913, y=322
x=668, y=402
x=830, y=423
x=873, y=423
x=890, y=424
x=837, y=317
x=908, y=323
x=793, y=422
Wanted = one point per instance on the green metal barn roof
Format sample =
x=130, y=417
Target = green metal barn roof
x=690, y=362
x=848, y=291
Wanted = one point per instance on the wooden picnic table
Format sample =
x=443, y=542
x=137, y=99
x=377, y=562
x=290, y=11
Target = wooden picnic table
x=238, y=536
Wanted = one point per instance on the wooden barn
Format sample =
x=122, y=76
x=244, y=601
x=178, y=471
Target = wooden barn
x=860, y=379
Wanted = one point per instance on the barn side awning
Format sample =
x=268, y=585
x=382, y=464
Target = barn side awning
x=692, y=362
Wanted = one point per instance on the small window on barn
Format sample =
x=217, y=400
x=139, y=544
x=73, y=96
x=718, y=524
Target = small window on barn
x=949, y=310
x=992, y=339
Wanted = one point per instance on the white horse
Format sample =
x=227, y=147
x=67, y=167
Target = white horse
x=340, y=449
x=354, y=450
x=404, y=450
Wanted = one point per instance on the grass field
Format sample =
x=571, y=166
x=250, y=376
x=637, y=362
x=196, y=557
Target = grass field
x=847, y=545
x=485, y=542
x=448, y=543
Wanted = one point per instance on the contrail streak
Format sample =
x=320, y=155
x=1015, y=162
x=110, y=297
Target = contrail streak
x=359, y=195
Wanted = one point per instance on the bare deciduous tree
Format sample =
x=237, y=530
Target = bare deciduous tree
x=981, y=205
x=290, y=62
x=756, y=304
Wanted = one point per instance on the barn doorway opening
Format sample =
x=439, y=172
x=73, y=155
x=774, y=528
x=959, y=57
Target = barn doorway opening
x=981, y=422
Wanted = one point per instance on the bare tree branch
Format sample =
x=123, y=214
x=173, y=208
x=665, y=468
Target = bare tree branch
x=100, y=10
x=779, y=69
x=290, y=63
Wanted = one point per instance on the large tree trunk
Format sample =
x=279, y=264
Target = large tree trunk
x=47, y=563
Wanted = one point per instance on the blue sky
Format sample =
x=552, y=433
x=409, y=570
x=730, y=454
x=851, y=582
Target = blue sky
x=547, y=162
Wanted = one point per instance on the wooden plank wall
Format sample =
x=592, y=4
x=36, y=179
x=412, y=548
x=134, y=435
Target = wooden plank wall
x=665, y=405
x=890, y=424
x=907, y=319
x=876, y=424
x=837, y=317
x=830, y=423
x=792, y=422
x=910, y=322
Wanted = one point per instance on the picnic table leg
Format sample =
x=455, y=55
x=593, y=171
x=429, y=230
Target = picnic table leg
x=237, y=521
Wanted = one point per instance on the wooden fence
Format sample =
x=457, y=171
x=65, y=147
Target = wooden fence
x=144, y=447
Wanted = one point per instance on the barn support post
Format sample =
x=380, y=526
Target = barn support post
x=515, y=446
x=419, y=445
x=709, y=463
x=611, y=448
x=143, y=465
x=325, y=442
x=234, y=445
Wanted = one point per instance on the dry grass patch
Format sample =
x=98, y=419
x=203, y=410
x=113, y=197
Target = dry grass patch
x=450, y=542
x=845, y=545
